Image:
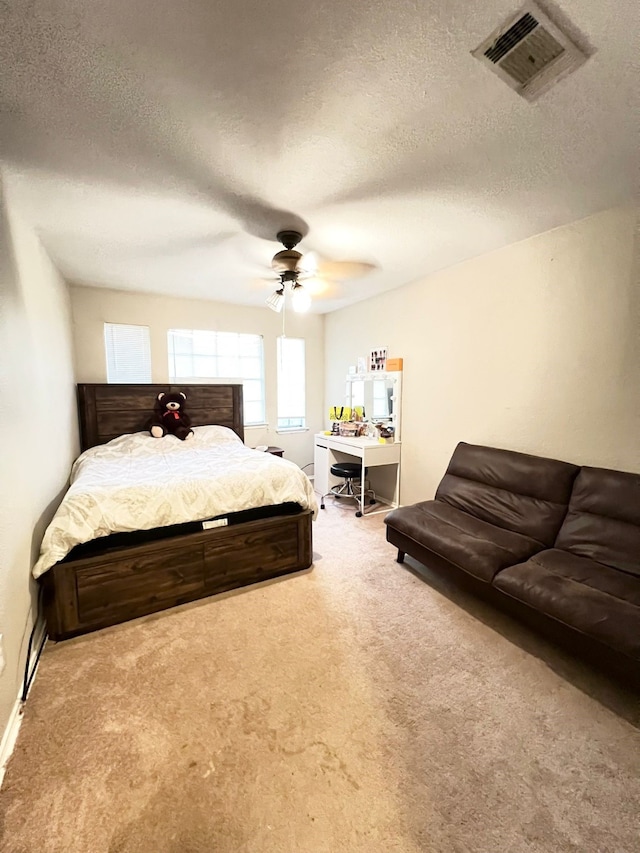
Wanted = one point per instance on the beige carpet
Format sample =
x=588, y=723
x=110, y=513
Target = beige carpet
x=350, y=708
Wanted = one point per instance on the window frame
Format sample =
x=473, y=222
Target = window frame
x=296, y=427
x=218, y=379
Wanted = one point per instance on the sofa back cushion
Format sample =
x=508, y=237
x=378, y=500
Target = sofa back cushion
x=515, y=491
x=603, y=521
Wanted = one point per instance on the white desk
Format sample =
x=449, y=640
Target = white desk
x=329, y=449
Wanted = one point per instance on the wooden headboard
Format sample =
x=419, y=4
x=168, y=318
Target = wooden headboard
x=107, y=411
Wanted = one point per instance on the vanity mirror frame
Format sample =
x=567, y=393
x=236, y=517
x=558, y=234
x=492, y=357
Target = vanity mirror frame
x=389, y=375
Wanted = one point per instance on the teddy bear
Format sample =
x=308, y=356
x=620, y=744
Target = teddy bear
x=169, y=417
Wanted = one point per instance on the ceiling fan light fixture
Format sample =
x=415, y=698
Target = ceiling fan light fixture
x=276, y=300
x=300, y=299
x=319, y=276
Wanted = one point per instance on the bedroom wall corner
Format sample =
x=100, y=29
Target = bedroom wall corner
x=533, y=347
x=38, y=425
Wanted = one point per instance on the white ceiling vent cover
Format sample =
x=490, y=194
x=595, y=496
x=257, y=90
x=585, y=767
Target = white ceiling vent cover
x=529, y=52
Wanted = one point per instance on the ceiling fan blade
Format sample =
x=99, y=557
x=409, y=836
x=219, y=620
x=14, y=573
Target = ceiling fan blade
x=309, y=263
x=315, y=285
x=345, y=270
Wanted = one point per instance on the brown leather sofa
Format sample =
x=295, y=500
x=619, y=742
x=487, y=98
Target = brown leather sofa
x=556, y=539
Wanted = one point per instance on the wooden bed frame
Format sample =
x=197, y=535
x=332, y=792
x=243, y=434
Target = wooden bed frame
x=85, y=594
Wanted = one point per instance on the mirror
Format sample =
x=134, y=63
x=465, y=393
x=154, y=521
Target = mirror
x=378, y=394
x=374, y=395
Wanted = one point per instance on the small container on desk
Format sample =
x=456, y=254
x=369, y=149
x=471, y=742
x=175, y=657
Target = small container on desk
x=349, y=429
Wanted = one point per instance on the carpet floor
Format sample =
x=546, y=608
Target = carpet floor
x=354, y=707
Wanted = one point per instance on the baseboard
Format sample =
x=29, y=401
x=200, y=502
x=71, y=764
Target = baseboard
x=10, y=736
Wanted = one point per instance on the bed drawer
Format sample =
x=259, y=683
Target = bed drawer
x=94, y=592
x=113, y=591
x=238, y=557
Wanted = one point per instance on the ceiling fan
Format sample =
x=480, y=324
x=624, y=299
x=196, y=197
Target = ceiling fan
x=292, y=269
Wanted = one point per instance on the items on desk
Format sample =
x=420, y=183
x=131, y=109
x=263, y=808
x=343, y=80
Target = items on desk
x=340, y=413
x=351, y=429
x=345, y=420
x=385, y=433
x=369, y=430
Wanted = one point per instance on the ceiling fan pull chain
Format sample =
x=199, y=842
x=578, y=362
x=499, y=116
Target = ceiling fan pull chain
x=284, y=311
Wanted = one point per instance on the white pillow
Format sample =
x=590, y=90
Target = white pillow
x=214, y=434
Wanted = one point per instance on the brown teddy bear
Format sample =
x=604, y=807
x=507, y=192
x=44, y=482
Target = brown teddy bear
x=169, y=417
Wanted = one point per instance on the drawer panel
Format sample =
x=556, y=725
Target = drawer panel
x=243, y=557
x=139, y=584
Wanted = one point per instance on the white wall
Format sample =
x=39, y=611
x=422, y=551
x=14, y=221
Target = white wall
x=93, y=306
x=38, y=426
x=534, y=347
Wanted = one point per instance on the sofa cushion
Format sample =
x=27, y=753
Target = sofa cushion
x=515, y=491
x=479, y=548
x=586, y=595
x=603, y=521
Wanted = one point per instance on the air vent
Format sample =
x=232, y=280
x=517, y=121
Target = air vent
x=529, y=52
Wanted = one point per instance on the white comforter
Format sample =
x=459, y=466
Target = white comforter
x=136, y=482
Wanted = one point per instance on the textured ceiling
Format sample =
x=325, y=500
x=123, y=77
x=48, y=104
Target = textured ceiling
x=159, y=146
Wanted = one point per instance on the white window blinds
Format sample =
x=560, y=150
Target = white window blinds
x=291, y=383
x=128, y=353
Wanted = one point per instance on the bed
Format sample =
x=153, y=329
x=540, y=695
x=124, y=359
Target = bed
x=123, y=575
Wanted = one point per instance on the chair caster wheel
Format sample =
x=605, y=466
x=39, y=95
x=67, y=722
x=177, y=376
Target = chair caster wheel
x=321, y=506
x=358, y=514
x=337, y=497
x=372, y=502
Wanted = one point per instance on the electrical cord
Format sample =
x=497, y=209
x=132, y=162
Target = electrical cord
x=28, y=676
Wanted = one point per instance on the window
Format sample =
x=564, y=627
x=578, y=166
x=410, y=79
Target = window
x=128, y=353
x=199, y=355
x=291, y=383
